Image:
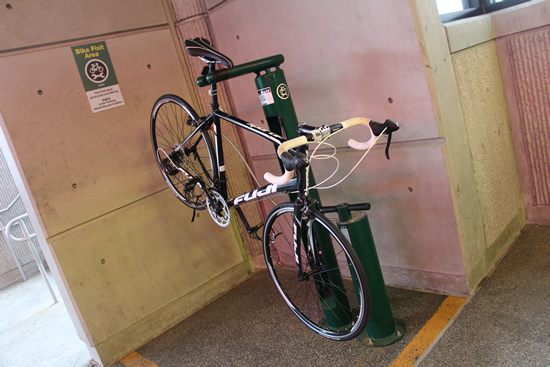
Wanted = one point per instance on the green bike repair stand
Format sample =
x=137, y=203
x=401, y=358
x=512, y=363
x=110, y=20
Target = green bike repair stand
x=279, y=110
x=277, y=103
x=281, y=118
x=382, y=329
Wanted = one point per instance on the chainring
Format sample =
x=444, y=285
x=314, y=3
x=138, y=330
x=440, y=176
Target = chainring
x=218, y=209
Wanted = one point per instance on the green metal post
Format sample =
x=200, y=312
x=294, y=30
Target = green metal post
x=382, y=329
x=279, y=110
x=277, y=103
x=282, y=120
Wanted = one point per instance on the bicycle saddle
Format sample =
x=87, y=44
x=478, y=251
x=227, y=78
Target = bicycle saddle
x=201, y=47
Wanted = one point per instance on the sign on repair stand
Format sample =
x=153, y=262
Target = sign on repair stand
x=98, y=76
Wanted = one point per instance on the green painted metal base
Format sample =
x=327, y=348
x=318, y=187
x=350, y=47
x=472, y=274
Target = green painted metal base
x=382, y=329
x=384, y=341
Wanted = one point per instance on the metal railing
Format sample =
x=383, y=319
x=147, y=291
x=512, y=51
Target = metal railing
x=28, y=236
x=8, y=242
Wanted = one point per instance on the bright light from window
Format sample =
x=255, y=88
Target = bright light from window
x=448, y=6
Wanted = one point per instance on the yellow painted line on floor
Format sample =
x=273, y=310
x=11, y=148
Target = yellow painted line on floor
x=136, y=360
x=425, y=337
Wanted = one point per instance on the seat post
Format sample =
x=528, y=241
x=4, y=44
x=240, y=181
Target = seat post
x=220, y=180
x=213, y=91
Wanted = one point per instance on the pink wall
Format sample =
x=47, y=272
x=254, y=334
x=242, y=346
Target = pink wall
x=346, y=60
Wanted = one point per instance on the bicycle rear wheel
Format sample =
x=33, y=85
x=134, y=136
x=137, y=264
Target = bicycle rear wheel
x=332, y=299
x=188, y=170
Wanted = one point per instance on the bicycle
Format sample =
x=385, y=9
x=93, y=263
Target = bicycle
x=311, y=263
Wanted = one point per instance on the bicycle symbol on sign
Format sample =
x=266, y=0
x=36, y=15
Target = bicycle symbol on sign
x=96, y=71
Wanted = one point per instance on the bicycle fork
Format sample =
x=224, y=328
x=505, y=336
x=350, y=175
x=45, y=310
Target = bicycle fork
x=303, y=240
x=297, y=231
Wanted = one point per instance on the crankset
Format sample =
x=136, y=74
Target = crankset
x=217, y=207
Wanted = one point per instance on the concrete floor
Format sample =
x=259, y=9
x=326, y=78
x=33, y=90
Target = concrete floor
x=251, y=326
x=507, y=322
x=504, y=324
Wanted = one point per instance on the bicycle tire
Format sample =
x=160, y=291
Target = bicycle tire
x=333, y=301
x=187, y=171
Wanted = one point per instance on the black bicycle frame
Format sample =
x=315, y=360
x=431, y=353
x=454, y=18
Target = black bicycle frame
x=215, y=117
x=219, y=176
x=266, y=191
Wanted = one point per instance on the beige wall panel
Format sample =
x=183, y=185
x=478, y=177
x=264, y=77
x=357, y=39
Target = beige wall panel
x=488, y=130
x=442, y=80
x=412, y=217
x=60, y=142
x=342, y=60
x=119, y=345
x=469, y=99
x=469, y=32
x=130, y=264
x=61, y=20
x=531, y=15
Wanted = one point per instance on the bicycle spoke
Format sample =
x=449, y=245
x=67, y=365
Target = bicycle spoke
x=321, y=296
x=186, y=168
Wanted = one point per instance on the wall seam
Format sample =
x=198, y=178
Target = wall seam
x=63, y=43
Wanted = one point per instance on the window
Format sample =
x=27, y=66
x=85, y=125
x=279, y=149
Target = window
x=450, y=10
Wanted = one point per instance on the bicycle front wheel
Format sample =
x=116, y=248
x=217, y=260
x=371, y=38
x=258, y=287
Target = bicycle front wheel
x=188, y=169
x=331, y=295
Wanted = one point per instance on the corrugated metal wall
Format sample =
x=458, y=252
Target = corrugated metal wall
x=8, y=193
x=530, y=58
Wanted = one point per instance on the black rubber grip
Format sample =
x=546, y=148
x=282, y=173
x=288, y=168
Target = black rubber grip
x=363, y=206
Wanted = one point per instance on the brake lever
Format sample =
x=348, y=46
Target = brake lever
x=388, y=145
x=391, y=126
